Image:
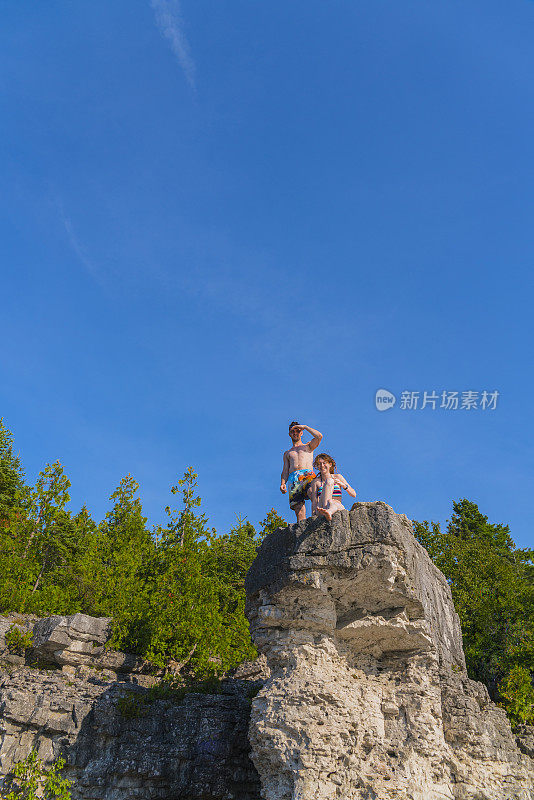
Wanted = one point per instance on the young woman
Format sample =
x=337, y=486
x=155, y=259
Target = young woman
x=325, y=490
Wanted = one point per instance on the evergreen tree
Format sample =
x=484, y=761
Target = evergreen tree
x=39, y=553
x=272, y=521
x=85, y=567
x=12, y=487
x=118, y=564
x=194, y=615
x=493, y=593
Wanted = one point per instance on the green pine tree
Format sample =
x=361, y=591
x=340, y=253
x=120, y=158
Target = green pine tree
x=12, y=486
x=118, y=565
x=493, y=591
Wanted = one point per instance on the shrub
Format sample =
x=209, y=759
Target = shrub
x=132, y=705
x=29, y=780
x=517, y=695
x=17, y=641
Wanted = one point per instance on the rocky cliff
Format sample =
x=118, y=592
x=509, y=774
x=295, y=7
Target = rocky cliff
x=368, y=697
x=365, y=696
x=68, y=695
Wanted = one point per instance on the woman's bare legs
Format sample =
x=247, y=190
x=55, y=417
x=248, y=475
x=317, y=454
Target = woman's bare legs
x=312, y=494
x=328, y=506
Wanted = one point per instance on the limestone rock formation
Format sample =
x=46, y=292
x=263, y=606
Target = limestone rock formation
x=368, y=697
x=362, y=689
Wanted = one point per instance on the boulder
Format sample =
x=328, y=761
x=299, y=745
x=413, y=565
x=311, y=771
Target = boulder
x=73, y=640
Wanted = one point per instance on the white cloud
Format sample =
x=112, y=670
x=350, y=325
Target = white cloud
x=91, y=268
x=169, y=21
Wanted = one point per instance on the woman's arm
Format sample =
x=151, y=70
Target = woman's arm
x=345, y=485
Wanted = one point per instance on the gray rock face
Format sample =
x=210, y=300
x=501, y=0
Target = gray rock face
x=365, y=694
x=80, y=639
x=525, y=739
x=70, y=640
x=118, y=744
x=368, y=697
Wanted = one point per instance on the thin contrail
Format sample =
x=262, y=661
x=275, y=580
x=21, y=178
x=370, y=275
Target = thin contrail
x=93, y=271
x=170, y=23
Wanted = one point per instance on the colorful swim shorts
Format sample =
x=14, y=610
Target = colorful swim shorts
x=298, y=484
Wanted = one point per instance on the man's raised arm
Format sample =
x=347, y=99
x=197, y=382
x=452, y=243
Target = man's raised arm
x=317, y=436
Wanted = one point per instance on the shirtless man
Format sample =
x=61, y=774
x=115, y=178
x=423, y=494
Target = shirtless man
x=297, y=471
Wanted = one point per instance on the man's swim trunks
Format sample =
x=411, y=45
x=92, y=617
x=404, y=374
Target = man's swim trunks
x=298, y=484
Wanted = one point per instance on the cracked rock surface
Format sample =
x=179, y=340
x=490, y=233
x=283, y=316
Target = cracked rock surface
x=368, y=697
x=155, y=750
x=363, y=693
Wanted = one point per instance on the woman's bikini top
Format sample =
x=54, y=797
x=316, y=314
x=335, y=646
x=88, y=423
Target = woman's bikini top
x=336, y=492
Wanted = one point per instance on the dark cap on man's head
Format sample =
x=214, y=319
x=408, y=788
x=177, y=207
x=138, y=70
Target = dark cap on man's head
x=293, y=423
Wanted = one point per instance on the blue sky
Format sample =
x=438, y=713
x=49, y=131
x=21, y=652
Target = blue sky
x=218, y=217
